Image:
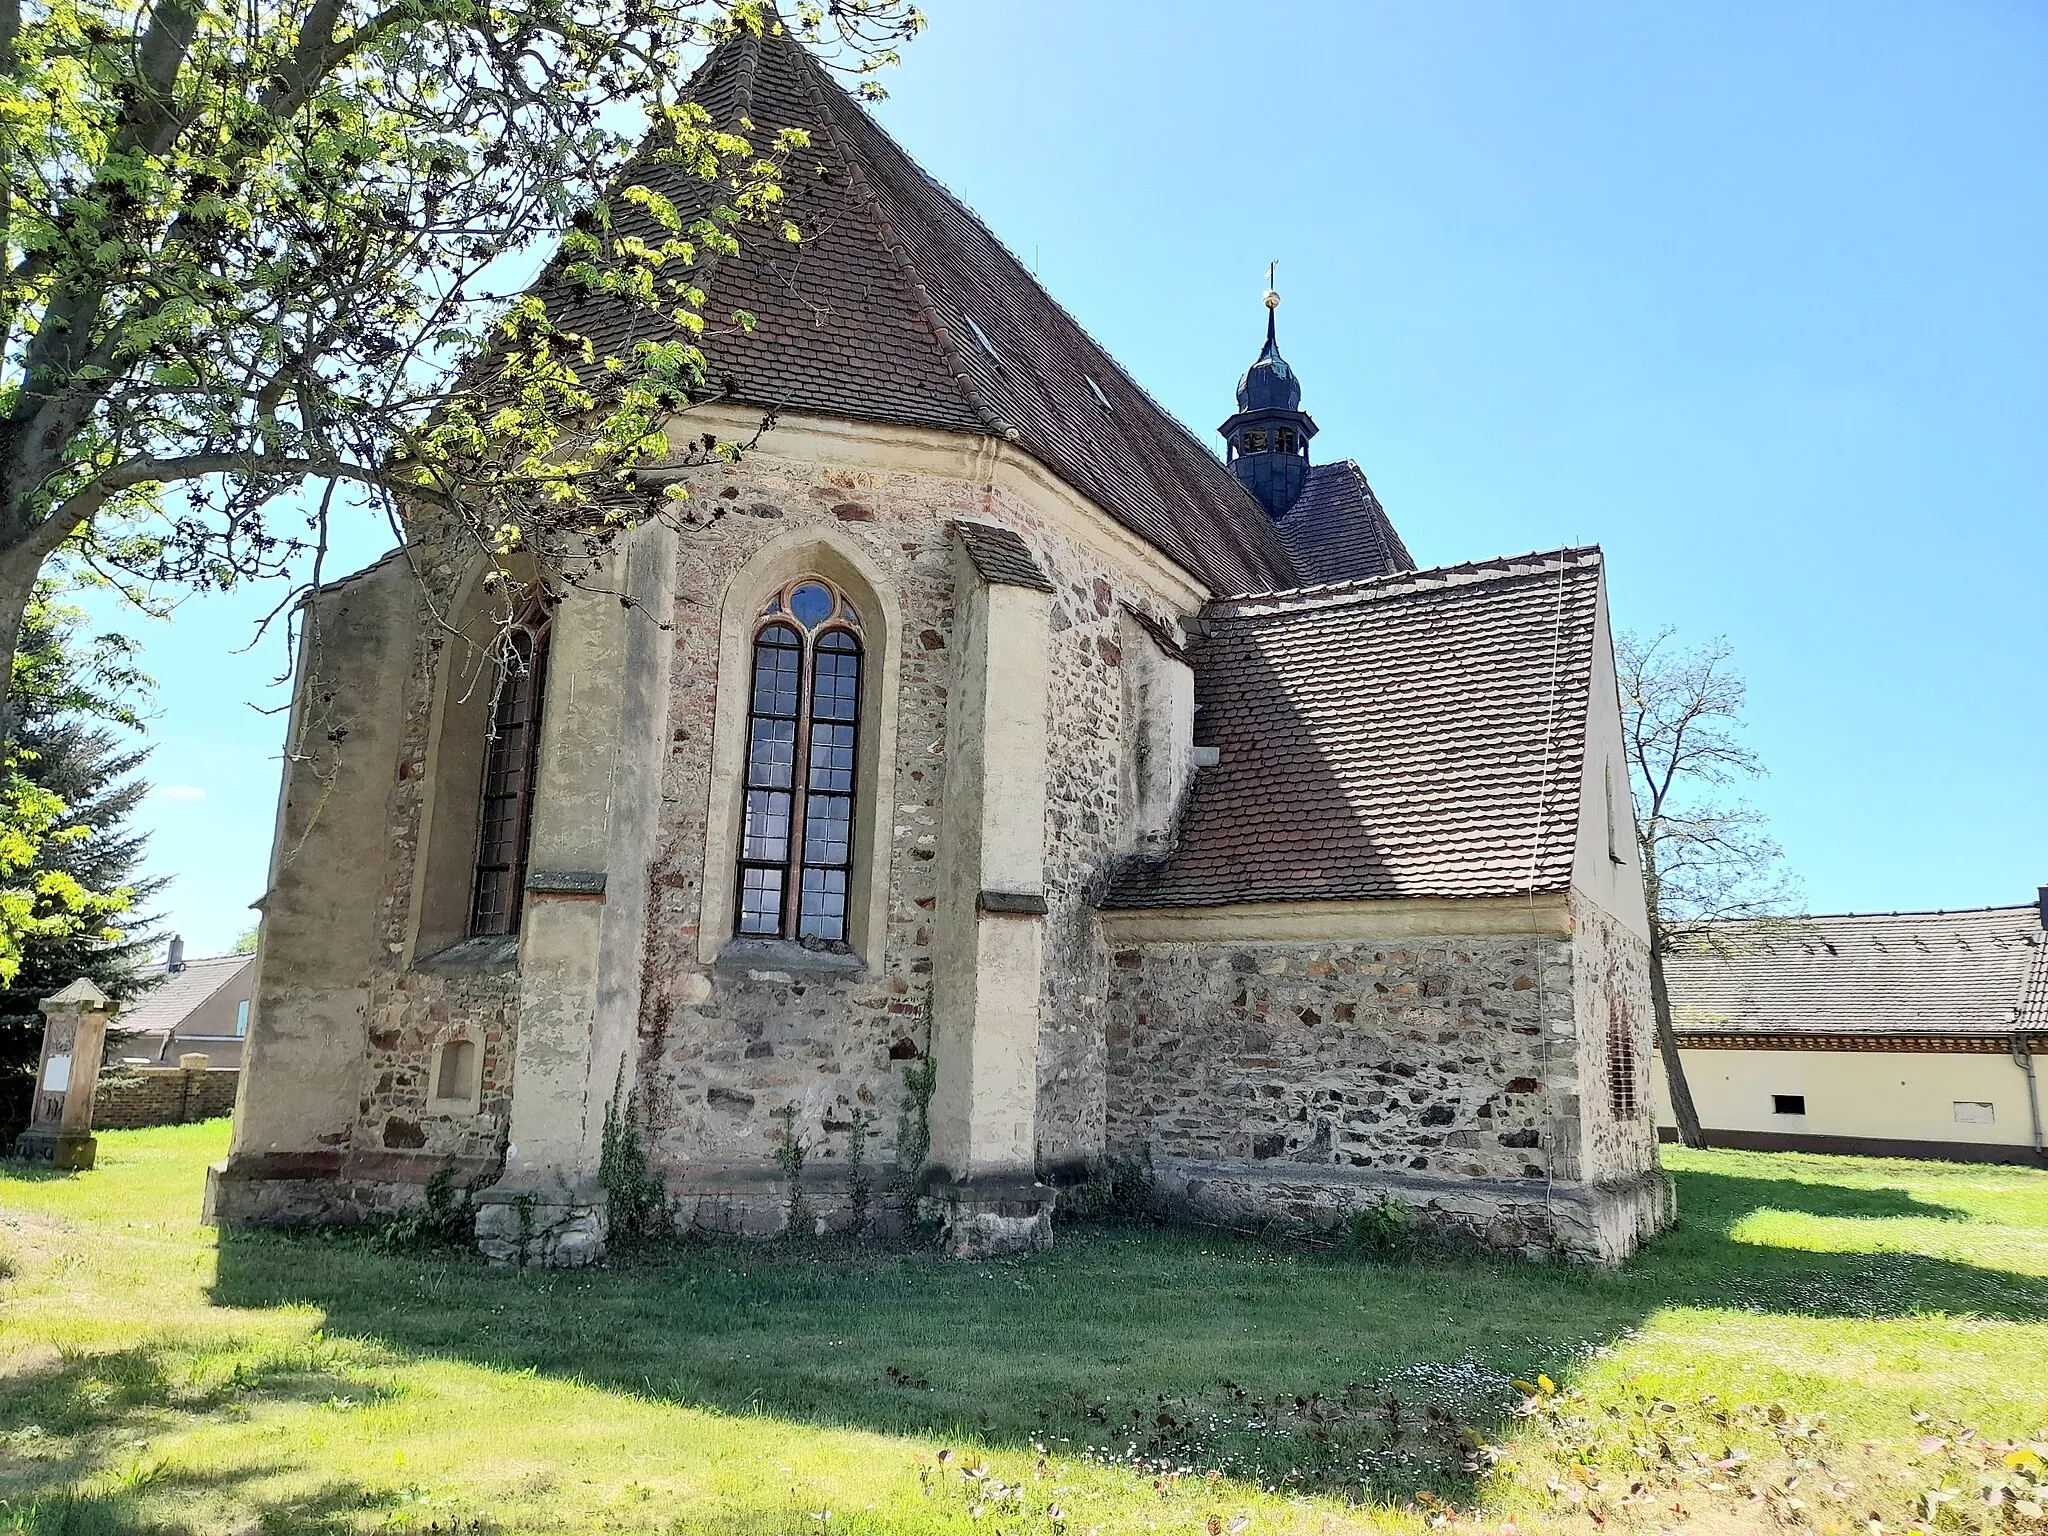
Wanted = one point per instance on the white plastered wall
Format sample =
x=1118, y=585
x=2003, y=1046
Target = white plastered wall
x=1159, y=736
x=1606, y=814
x=1889, y=1095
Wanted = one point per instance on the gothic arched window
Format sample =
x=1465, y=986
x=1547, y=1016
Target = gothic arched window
x=511, y=764
x=796, y=833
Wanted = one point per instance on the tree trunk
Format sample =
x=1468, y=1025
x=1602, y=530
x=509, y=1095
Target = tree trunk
x=15, y=591
x=1682, y=1110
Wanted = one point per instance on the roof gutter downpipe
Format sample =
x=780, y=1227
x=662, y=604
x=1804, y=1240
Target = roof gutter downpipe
x=2023, y=1058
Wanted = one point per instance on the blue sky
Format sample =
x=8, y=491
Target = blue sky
x=1750, y=295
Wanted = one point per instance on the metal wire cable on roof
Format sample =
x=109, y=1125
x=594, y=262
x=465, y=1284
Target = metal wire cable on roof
x=1549, y=730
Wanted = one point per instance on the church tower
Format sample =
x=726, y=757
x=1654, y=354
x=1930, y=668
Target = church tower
x=1268, y=437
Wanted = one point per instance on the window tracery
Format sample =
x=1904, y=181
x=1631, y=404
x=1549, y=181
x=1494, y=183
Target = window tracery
x=803, y=724
x=511, y=764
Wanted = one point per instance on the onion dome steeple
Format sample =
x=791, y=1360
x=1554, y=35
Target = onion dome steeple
x=1267, y=440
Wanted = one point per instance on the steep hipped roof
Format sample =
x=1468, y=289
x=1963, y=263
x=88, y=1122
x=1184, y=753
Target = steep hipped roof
x=173, y=1000
x=1417, y=735
x=1337, y=530
x=1905, y=973
x=900, y=306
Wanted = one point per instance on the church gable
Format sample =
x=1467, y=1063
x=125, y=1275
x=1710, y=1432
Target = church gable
x=900, y=306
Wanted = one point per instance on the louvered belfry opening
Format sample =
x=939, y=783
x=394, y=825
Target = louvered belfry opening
x=511, y=765
x=803, y=726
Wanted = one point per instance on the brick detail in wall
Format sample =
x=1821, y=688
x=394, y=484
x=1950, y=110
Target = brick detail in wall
x=129, y=1099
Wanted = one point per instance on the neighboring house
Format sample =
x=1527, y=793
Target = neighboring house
x=980, y=713
x=1913, y=1034
x=201, y=1006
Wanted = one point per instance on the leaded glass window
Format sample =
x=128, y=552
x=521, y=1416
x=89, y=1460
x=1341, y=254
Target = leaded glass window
x=511, y=763
x=803, y=726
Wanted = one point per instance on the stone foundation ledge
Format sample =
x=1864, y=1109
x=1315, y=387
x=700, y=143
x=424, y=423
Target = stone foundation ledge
x=987, y=1218
x=543, y=1223
x=1532, y=1218
x=753, y=1200
x=979, y=1219
x=325, y=1189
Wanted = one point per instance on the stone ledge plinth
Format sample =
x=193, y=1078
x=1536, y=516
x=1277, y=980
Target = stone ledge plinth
x=550, y=1224
x=1529, y=1218
x=987, y=1218
x=320, y=1189
x=63, y=1150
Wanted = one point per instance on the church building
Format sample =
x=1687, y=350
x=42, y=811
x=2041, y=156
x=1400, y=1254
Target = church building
x=979, y=722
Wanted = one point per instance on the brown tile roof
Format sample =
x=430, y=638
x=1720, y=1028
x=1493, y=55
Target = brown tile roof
x=1338, y=531
x=1904, y=973
x=900, y=306
x=1420, y=734
x=1001, y=555
x=2034, y=996
x=164, y=1008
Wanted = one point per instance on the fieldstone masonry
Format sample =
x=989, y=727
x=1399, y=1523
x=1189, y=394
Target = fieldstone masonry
x=1302, y=1082
x=1437, y=1057
x=1466, y=1073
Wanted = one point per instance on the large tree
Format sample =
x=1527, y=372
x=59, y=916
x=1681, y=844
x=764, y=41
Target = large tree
x=1711, y=874
x=256, y=247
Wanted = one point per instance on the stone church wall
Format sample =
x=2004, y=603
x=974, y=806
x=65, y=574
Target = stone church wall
x=1303, y=1081
x=726, y=1047
x=1616, y=1043
x=413, y=1009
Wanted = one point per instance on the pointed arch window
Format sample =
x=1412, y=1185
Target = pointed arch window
x=511, y=764
x=803, y=726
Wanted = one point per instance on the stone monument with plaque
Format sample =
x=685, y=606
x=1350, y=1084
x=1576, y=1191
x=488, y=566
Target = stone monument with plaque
x=74, y=1039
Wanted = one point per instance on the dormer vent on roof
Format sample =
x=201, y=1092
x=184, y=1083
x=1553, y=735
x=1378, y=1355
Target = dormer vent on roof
x=982, y=336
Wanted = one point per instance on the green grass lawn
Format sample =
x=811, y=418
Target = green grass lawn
x=1821, y=1341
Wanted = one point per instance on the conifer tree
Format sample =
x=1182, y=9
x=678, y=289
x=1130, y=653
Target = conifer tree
x=76, y=890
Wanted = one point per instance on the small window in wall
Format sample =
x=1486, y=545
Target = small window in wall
x=511, y=763
x=1255, y=442
x=1788, y=1103
x=796, y=834
x=1623, y=1101
x=242, y=1017
x=455, y=1072
x=1974, y=1112
x=1284, y=440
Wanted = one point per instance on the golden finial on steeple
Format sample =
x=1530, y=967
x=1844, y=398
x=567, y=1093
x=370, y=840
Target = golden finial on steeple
x=1272, y=294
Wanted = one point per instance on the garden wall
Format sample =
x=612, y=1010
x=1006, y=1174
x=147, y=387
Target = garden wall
x=132, y=1097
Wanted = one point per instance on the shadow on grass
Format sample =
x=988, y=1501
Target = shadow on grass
x=335, y=1507
x=1719, y=1200
x=15, y=1170
x=1187, y=1346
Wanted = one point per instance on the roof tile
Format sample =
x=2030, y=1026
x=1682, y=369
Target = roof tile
x=1338, y=531
x=1907, y=973
x=899, y=305
x=1420, y=734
